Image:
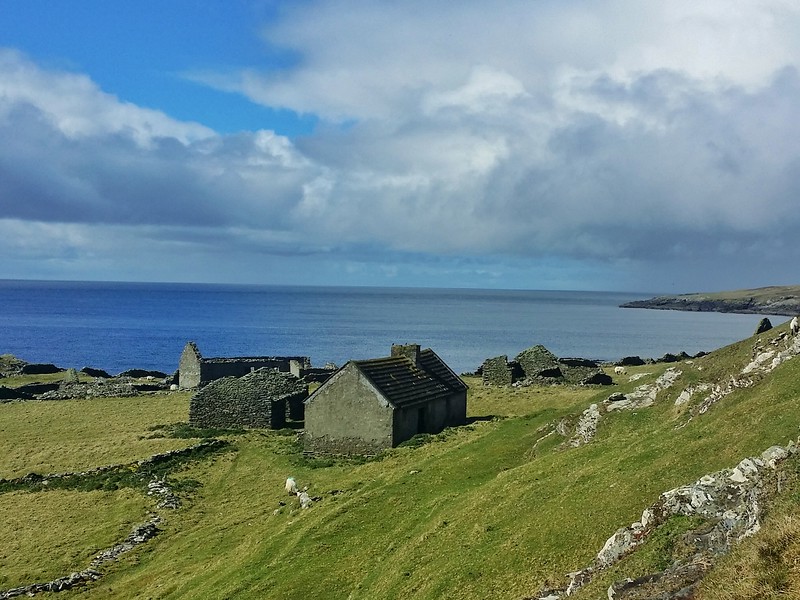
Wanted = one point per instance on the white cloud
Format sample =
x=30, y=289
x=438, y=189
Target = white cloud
x=381, y=59
x=486, y=90
x=76, y=107
x=615, y=132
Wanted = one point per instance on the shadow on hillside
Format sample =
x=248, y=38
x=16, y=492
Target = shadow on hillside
x=471, y=420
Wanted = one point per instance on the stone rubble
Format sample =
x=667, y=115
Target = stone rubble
x=161, y=489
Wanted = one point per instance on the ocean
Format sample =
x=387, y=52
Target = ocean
x=119, y=326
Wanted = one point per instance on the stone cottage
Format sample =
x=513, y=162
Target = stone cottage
x=195, y=370
x=262, y=399
x=369, y=405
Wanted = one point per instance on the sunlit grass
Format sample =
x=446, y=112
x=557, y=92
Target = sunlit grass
x=71, y=435
x=493, y=509
x=52, y=534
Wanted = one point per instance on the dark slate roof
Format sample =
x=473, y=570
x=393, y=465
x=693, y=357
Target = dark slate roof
x=402, y=383
x=430, y=362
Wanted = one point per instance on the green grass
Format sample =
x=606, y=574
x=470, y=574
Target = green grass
x=73, y=435
x=49, y=535
x=493, y=509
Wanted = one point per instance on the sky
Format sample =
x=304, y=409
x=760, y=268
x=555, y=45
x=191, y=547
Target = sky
x=527, y=144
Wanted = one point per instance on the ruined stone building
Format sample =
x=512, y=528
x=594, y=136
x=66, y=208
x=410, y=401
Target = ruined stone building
x=540, y=365
x=262, y=399
x=196, y=371
x=370, y=405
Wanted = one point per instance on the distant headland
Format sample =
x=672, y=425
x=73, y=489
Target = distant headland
x=772, y=300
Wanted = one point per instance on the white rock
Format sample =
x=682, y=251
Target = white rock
x=647, y=517
x=773, y=455
x=615, y=547
x=737, y=476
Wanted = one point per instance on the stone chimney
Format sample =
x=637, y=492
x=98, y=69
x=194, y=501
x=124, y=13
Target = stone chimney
x=410, y=351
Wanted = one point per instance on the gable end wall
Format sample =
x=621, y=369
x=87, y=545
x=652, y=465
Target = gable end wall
x=348, y=416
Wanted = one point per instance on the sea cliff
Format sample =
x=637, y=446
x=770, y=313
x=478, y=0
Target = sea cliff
x=773, y=300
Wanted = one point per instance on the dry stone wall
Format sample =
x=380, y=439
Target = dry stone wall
x=262, y=399
x=497, y=371
x=158, y=488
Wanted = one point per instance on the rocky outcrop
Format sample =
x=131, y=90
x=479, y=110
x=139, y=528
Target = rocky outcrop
x=7, y=394
x=39, y=369
x=729, y=501
x=630, y=361
x=765, y=359
x=586, y=427
x=597, y=378
x=95, y=372
x=644, y=395
x=583, y=430
x=764, y=325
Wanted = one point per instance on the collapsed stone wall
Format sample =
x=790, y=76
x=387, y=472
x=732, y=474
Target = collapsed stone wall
x=263, y=399
x=158, y=488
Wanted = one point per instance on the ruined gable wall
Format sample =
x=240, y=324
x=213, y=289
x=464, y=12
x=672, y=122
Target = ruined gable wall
x=497, y=371
x=189, y=366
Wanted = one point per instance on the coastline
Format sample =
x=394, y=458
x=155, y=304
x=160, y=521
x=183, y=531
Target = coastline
x=772, y=300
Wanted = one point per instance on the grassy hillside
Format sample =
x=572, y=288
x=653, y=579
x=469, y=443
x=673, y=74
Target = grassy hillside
x=494, y=509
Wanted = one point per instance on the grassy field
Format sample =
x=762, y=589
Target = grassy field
x=49, y=535
x=74, y=435
x=490, y=510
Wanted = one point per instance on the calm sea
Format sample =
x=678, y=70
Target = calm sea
x=118, y=326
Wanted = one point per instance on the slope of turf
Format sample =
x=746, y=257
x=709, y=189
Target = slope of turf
x=494, y=509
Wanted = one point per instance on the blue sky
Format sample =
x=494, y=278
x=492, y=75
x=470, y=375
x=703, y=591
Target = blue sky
x=608, y=145
x=142, y=52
